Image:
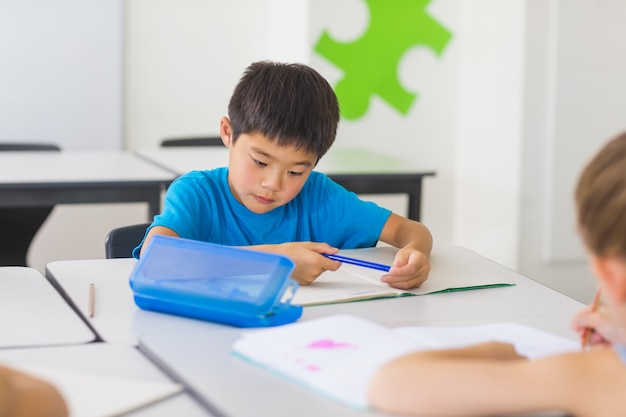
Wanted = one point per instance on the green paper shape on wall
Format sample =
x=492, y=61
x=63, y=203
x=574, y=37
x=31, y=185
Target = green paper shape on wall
x=370, y=63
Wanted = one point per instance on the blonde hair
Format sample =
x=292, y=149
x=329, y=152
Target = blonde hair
x=601, y=200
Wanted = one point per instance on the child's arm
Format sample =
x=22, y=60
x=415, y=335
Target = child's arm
x=472, y=382
x=156, y=230
x=24, y=396
x=410, y=267
x=306, y=255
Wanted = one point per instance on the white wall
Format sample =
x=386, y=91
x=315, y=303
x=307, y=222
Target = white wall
x=61, y=72
x=182, y=61
x=586, y=106
x=574, y=102
x=425, y=137
x=61, y=81
x=490, y=99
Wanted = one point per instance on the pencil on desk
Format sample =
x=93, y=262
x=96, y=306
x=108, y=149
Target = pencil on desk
x=92, y=294
x=588, y=331
x=358, y=262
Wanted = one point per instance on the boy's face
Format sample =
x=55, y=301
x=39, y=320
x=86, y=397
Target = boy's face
x=263, y=175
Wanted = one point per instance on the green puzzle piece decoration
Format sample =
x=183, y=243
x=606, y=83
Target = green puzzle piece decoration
x=370, y=63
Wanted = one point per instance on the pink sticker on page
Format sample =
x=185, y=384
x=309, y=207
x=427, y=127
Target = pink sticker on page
x=329, y=344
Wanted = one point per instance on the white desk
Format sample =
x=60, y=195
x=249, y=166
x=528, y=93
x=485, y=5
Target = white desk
x=116, y=317
x=34, y=314
x=46, y=178
x=198, y=353
x=358, y=170
x=527, y=299
x=203, y=360
x=180, y=405
x=103, y=360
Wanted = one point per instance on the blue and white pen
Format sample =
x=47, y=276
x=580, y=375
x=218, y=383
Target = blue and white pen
x=358, y=262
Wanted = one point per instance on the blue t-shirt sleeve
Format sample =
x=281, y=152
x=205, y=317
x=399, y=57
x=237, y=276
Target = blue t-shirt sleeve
x=343, y=219
x=184, y=205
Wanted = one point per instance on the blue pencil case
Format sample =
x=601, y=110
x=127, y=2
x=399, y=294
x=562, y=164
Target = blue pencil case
x=223, y=284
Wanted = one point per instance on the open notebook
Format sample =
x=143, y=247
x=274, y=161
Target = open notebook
x=337, y=355
x=354, y=283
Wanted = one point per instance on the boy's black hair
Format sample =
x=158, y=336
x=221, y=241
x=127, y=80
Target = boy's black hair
x=291, y=104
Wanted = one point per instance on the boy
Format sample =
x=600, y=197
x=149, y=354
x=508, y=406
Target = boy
x=282, y=120
x=491, y=379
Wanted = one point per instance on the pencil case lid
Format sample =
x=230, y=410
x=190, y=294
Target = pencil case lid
x=224, y=284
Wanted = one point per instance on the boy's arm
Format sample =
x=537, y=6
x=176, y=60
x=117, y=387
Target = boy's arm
x=414, y=241
x=156, y=230
x=486, y=380
x=306, y=255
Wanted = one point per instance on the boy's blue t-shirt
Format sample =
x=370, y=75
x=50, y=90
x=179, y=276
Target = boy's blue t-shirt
x=200, y=206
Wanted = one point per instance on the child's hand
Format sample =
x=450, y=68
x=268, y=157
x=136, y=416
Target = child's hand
x=409, y=270
x=308, y=259
x=24, y=395
x=604, y=332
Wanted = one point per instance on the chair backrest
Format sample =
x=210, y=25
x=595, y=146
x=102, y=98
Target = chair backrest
x=19, y=225
x=199, y=141
x=15, y=146
x=120, y=242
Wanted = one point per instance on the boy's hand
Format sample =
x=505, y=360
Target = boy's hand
x=308, y=259
x=410, y=269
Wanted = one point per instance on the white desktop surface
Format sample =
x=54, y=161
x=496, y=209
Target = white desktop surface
x=528, y=298
x=34, y=314
x=116, y=318
x=336, y=161
x=204, y=362
x=181, y=405
x=77, y=167
x=107, y=360
x=203, y=359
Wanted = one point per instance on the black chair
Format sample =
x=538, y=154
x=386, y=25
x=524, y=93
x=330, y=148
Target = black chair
x=199, y=141
x=120, y=242
x=8, y=147
x=19, y=225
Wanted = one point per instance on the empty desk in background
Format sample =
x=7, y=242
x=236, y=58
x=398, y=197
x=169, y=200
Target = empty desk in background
x=100, y=378
x=30, y=179
x=358, y=170
x=34, y=314
x=118, y=319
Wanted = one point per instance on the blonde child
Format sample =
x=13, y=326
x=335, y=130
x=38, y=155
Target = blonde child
x=491, y=379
